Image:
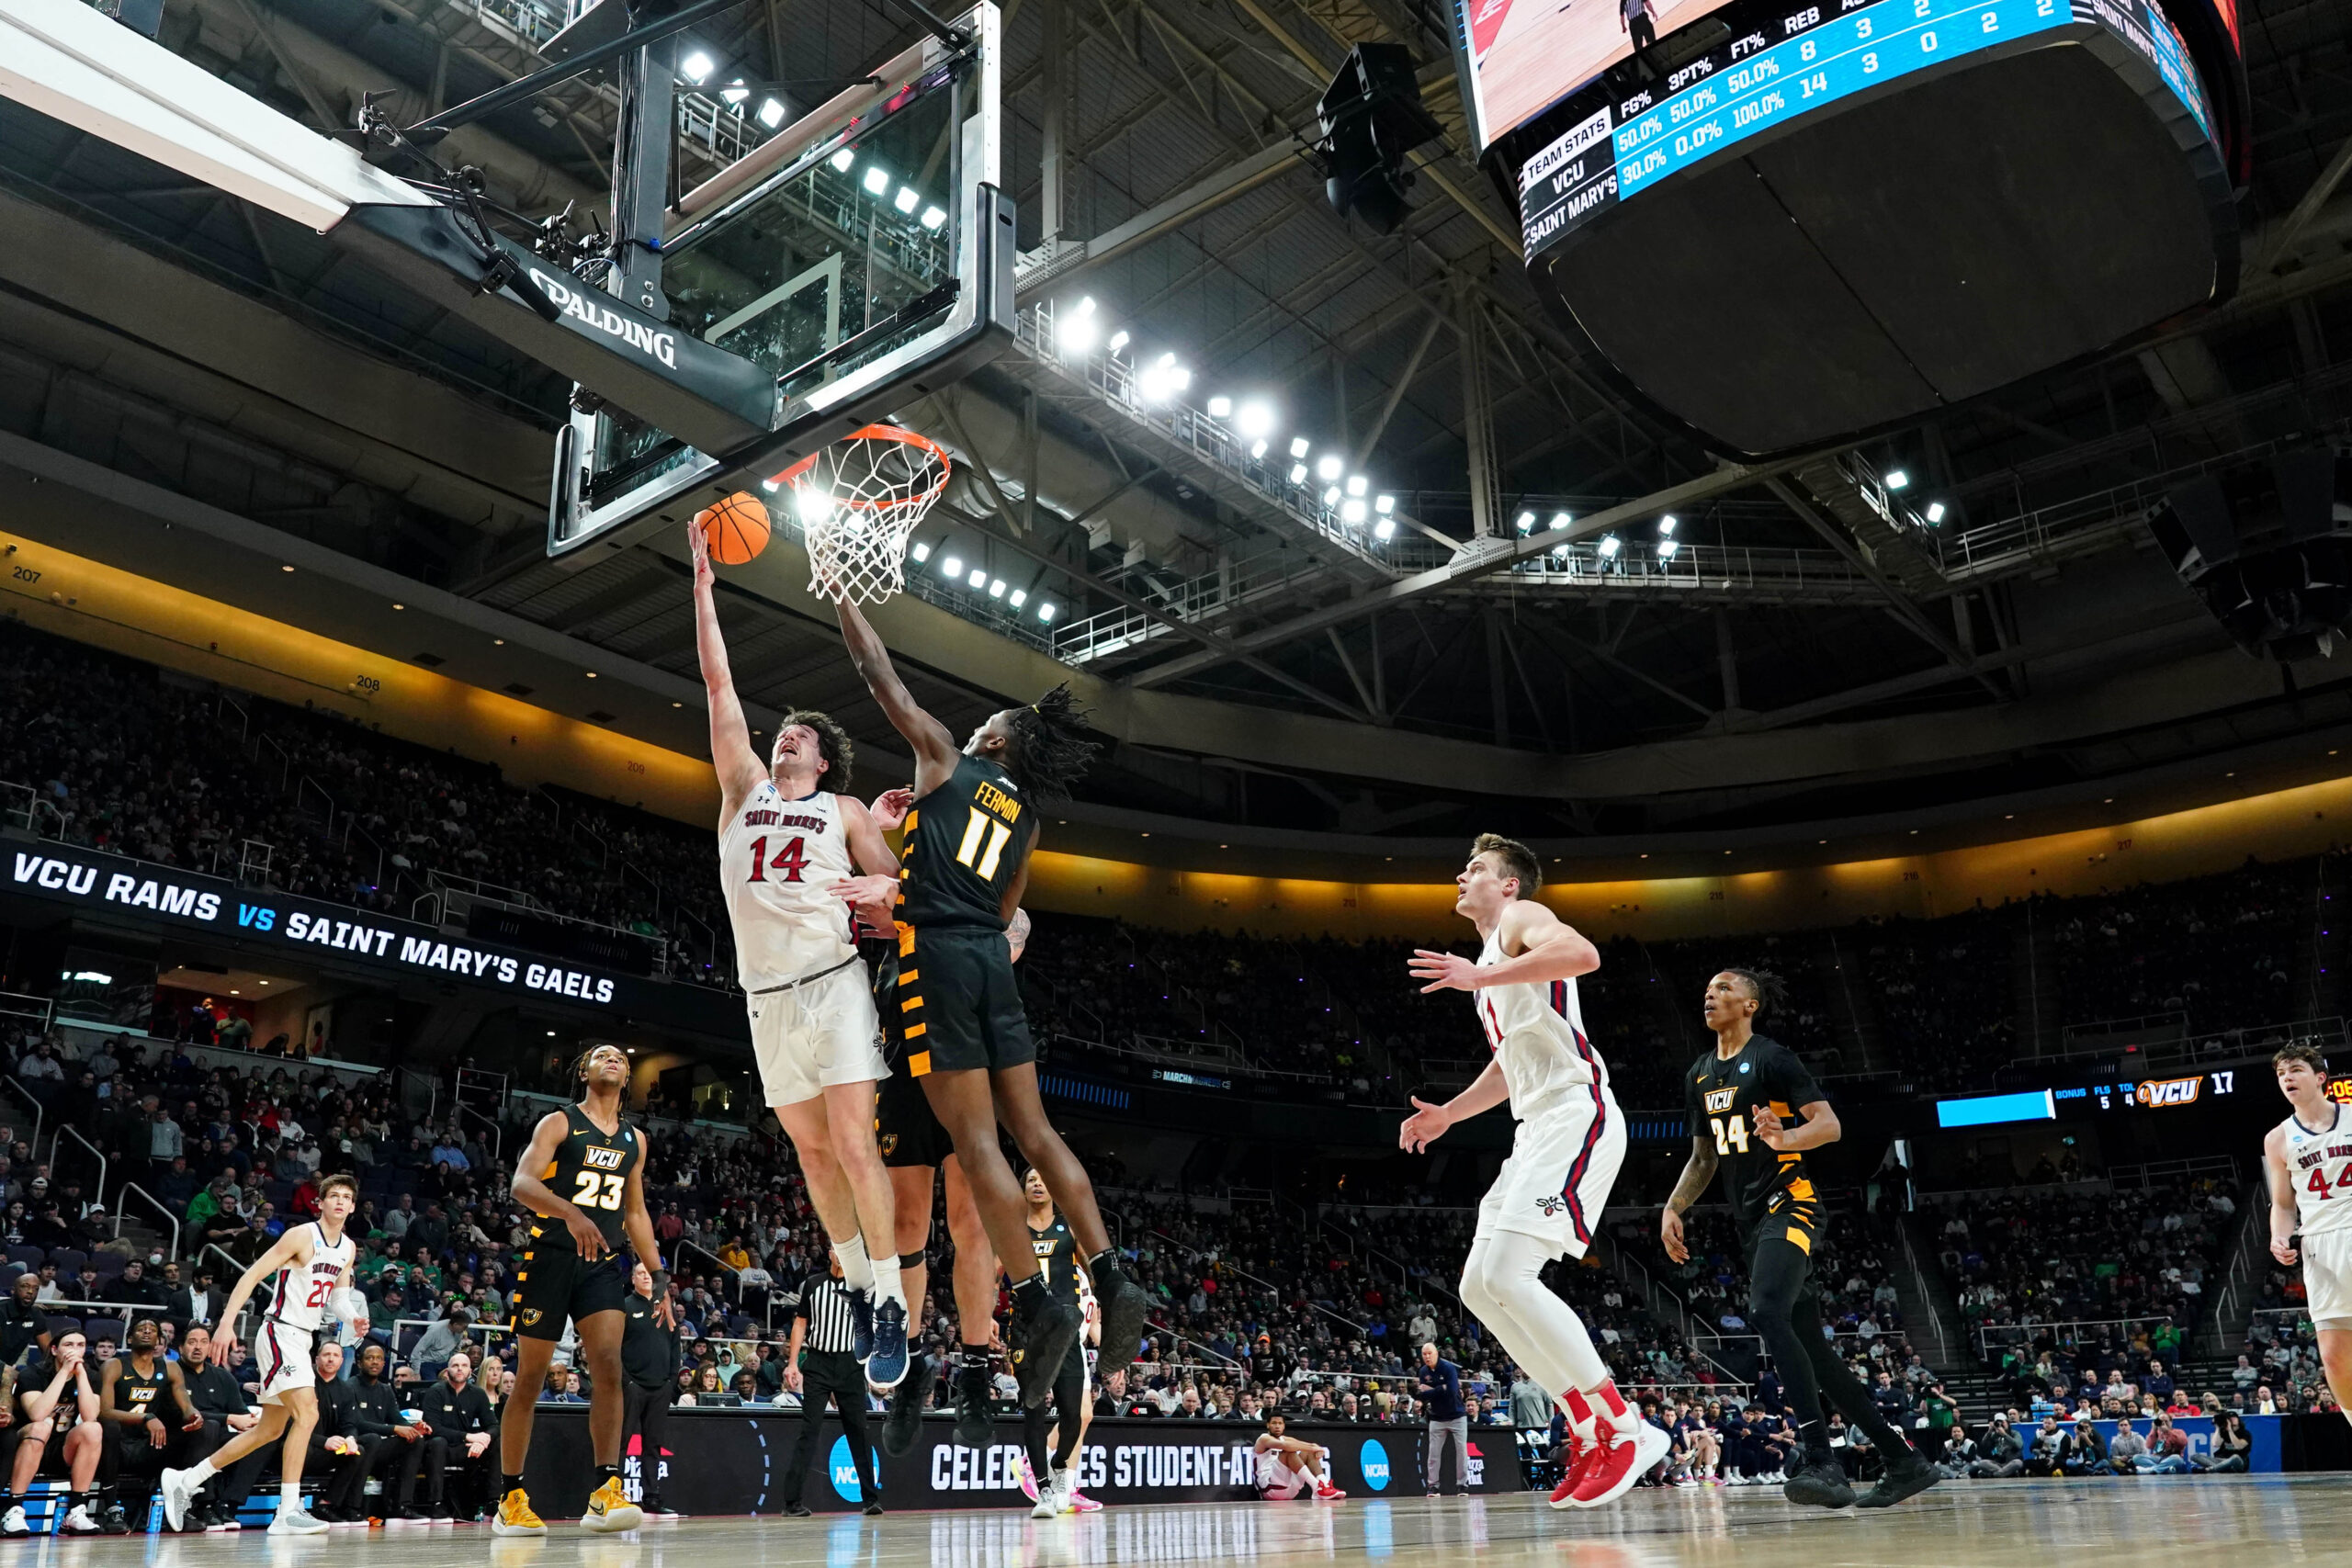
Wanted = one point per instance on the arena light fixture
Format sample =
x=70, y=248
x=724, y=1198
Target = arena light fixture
x=979, y=577
x=772, y=113
x=1220, y=407
x=996, y=588
x=1257, y=449
x=1385, y=529
x=1329, y=466
x=770, y=486
x=1352, y=511
x=736, y=93
x=1162, y=380
x=696, y=67
x=1358, y=484
x=1331, y=496
x=1668, y=548
x=951, y=568
x=1666, y=525
x=1077, y=328
x=1559, y=521
x=1527, y=521
x=1385, y=505
x=1119, y=340
x=877, y=179
x=1298, y=445
x=1297, y=476
x=1045, y=611
x=1897, y=479
x=922, y=553
x=907, y=199
x=1017, y=598
x=1935, y=512
x=286, y=569
x=842, y=160
x=932, y=217
x=1609, y=546
x=1255, y=419
x=813, y=505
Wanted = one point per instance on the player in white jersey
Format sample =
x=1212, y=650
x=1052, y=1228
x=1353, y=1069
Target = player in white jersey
x=790, y=844
x=310, y=1266
x=1547, y=1199
x=2308, y=1158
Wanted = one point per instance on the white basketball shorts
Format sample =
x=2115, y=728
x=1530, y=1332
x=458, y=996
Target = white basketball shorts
x=282, y=1353
x=1563, y=1162
x=816, y=1033
x=2327, y=1277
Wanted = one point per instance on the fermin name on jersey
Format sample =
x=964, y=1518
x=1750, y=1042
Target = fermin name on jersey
x=997, y=801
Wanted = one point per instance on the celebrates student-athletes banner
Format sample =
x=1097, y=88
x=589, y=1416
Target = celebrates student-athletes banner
x=739, y=1461
x=105, y=885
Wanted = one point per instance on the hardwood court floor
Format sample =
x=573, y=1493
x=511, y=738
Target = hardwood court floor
x=2209, y=1522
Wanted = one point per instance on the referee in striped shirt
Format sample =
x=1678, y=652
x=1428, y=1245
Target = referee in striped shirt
x=819, y=1366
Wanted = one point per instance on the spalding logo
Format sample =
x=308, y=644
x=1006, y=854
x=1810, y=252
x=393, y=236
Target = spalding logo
x=1374, y=1462
x=581, y=305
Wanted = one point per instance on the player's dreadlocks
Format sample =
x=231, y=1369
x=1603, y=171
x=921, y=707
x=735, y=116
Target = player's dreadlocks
x=1766, y=988
x=1048, y=750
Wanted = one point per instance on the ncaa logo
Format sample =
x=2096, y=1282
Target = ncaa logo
x=842, y=1471
x=1374, y=1462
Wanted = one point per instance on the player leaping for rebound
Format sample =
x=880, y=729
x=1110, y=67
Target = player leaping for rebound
x=965, y=860
x=1570, y=1140
x=787, y=835
x=312, y=1265
x=2308, y=1160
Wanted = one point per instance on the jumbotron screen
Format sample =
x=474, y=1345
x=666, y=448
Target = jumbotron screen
x=1522, y=56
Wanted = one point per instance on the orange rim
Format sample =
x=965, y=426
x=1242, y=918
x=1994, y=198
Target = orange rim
x=885, y=504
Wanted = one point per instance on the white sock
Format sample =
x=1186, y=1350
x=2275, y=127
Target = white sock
x=201, y=1471
x=289, y=1496
x=888, y=1286
x=857, y=1269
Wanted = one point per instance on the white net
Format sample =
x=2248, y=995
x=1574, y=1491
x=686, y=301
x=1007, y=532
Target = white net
x=856, y=501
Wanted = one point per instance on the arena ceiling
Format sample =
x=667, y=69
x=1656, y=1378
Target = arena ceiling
x=1813, y=670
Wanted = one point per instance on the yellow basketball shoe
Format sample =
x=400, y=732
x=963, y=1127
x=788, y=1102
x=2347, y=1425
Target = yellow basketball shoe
x=514, y=1517
x=609, y=1510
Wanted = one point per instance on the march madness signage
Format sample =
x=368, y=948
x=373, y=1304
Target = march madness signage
x=738, y=1462
x=103, y=885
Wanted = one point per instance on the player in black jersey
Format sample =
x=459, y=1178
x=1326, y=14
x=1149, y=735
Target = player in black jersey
x=1056, y=1253
x=584, y=1177
x=143, y=1403
x=1754, y=1112
x=962, y=867
x=916, y=1152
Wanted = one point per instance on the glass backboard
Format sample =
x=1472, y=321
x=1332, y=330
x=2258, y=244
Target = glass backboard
x=859, y=257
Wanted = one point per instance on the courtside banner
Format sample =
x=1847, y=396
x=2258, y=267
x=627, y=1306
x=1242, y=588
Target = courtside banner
x=114, y=887
x=739, y=1461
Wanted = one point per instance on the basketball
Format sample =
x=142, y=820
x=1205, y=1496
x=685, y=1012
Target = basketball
x=737, y=528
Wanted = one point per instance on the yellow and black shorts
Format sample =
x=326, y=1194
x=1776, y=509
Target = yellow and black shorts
x=553, y=1283
x=1799, y=1224
x=958, y=1004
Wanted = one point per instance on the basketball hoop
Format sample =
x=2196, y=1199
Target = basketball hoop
x=857, y=501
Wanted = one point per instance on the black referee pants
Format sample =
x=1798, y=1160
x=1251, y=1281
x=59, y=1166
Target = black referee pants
x=833, y=1375
x=645, y=1416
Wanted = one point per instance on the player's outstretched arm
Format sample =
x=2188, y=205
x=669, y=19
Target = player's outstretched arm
x=1538, y=948
x=740, y=768
x=935, y=750
x=1429, y=1123
x=292, y=1247
x=2283, y=1217
x=1698, y=1173
x=532, y=1192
